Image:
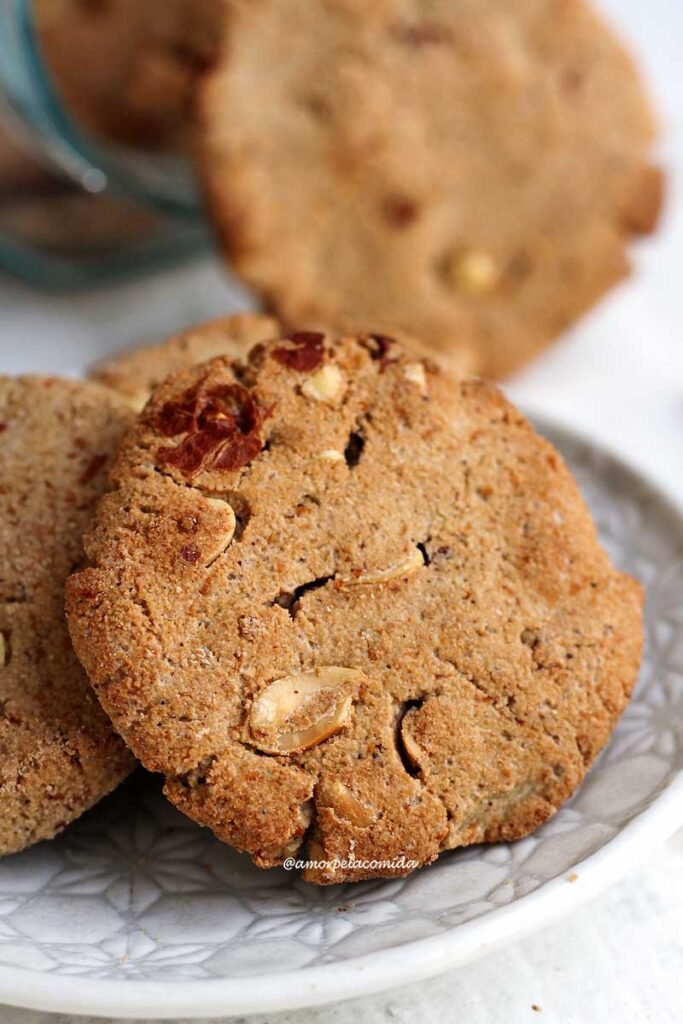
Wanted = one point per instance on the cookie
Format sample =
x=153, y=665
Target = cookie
x=59, y=754
x=351, y=607
x=470, y=172
x=126, y=70
x=137, y=372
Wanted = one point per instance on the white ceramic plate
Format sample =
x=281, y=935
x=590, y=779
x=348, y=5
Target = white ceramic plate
x=137, y=911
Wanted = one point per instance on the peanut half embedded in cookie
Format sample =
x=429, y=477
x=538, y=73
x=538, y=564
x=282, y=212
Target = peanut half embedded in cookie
x=411, y=641
x=302, y=710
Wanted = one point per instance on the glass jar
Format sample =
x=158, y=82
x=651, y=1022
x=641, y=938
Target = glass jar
x=77, y=206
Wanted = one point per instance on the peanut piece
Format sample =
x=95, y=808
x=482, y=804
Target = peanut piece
x=411, y=747
x=405, y=568
x=138, y=401
x=347, y=805
x=415, y=373
x=325, y=385
x=223, y=532
x=474, y=272
x=299, y=711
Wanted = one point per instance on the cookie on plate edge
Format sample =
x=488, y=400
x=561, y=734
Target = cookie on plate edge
x=352, y=607
x=60, y=754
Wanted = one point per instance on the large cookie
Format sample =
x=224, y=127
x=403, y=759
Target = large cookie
x=136, y=372
x=469, y=171
x=349, y=605
x=58, y=752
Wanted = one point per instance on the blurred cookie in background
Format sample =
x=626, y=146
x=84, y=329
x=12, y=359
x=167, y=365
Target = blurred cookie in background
x=471, y=173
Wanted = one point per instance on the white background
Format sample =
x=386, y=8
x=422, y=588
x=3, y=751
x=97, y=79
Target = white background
x=617, y=376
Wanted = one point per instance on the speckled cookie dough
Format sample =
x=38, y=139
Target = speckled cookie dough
x=59, y=754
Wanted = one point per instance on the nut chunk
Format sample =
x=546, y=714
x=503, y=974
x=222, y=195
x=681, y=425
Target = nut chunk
x=326, y=385
x=408, y=566
x=300, y=711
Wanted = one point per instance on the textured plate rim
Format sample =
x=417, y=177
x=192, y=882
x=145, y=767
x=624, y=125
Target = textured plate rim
x=384, y=969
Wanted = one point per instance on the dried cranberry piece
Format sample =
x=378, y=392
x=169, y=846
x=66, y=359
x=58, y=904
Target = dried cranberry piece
x=223, y=426
x=380, y=348
x=400, y=211
x=228, y=409
x=176, y=417
x=419, y=34
x=307, y=354
x=236, y=453
x=189, y=456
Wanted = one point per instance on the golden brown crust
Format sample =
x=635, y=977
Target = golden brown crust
x=471, y=175
x=136, y=372
x=340, y=599
x=59, y=753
